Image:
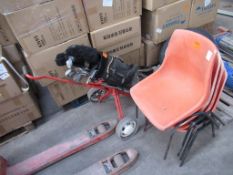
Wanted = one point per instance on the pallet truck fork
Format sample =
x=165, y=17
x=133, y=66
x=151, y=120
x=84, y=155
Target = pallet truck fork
x=3, y=166
x=113, y=165
x=58, y=152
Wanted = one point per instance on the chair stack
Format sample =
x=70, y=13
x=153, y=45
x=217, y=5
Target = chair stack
x=183, y=94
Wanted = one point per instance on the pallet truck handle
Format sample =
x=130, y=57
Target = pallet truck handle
x=24, y=88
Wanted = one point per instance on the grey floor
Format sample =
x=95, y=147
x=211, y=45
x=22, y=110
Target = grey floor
x=208, y=157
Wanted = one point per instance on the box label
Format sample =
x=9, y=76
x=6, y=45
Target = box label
x=177, y=20
x=122, y=47
x=118, y=33
x=3, y=72
x=107, y=3
x=205, y=8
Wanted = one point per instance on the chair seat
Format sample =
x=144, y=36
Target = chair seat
x=160, y=107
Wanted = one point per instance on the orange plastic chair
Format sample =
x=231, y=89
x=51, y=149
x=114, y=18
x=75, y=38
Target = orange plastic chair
x=182, y=85
x=221, y=77
x=219, y=90
x=189, y=128
x=215, y=83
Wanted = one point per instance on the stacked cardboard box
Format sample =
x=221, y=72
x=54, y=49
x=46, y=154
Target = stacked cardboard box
x=155, y=4
x=115, y=27
x=17, y=108
x=161, y=17
x=48, y=24
x=7, y=6
x=44, y=29
x=203, y=12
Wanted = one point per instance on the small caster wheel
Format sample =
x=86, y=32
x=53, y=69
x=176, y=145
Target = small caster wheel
x=126, y=128
x=94, y=95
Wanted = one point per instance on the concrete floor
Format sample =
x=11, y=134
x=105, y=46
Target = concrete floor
x=208, y=157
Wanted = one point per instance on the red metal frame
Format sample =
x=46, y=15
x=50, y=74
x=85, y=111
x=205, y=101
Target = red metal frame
x=99, y=85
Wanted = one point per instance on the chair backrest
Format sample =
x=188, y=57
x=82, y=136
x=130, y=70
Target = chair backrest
x=192, y=53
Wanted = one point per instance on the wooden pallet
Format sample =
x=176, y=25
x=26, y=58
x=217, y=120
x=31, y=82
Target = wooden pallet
x=225, y=106
x=16, y=133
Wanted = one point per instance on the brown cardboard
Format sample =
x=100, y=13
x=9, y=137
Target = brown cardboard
x=116, y=33
x=12, y=53
x=125, y=46
x=99, y=14
x=210, y=27
x=152, y=52
x=203, y=12
x=154, y=4
x=6, y=35
x=65, y=93
x=136, y=57
x=160, y=24
x=8, y=86
x=17, y=112
x=43, y=63
x=7, y=6
x=8, y=89
x=45, y=25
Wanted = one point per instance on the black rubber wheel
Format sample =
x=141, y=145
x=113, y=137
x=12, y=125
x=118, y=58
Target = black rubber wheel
x=197, y=30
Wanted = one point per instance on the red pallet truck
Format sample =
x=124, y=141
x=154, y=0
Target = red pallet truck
x=84, y=139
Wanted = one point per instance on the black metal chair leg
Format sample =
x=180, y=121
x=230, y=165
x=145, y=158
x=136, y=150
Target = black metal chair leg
x=169, y=145
x=212, y=120
x=147, y=125
x=187, y=143
x=218, y=119
x=185, y=140
x=189, y=146
x=213, y=129
x=136, y=111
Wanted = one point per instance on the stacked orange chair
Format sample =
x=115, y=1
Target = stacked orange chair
x=184, y=92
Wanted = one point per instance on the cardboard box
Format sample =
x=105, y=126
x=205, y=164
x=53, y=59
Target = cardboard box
x=8, y=85
x=125, y=46
x=17, y=112
x=45, y=25
x=7, y=6
x=116, y=33
x=136, y=57
x=152, y=52
x=203, y=12
x=65, y=93
x=43, y=63
x=12, y=53
x=6, y=35
x=160, y=24
x=102, y=13
x=210, y=27
x=154, y=4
